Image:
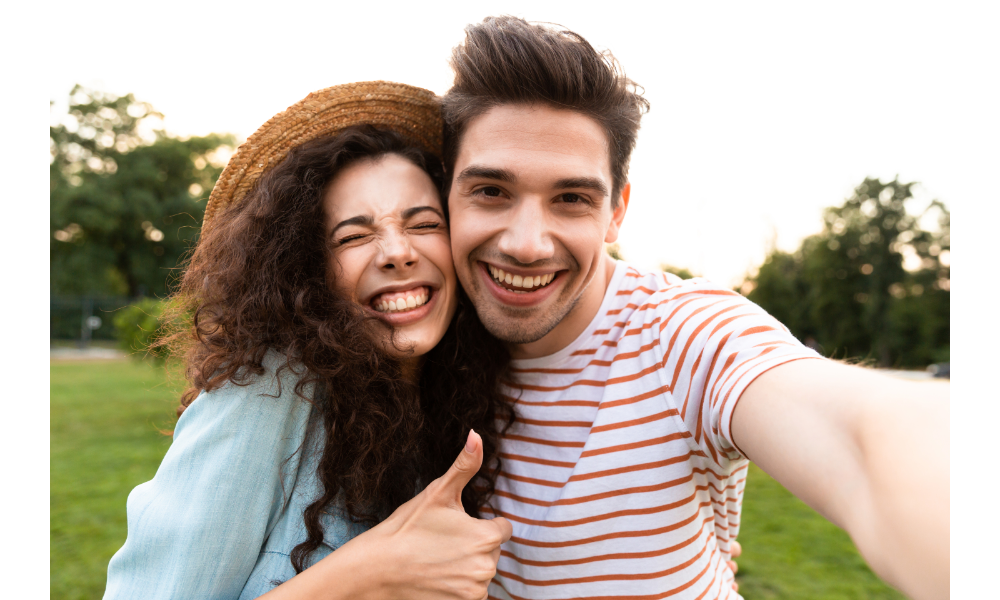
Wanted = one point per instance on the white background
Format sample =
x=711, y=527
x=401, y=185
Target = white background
x=763, y=113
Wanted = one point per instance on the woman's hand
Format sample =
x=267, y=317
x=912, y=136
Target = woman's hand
x=431, y=548
x=428, y=549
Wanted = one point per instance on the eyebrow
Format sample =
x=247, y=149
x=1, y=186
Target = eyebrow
x=477, y=172
x=358, y=220
x=587, y=183
x=505, y=175
x=411, y=212
x=369, y=221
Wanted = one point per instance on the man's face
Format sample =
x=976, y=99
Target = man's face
x=530, y=211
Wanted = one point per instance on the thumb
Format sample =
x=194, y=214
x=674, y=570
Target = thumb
x=461, y=471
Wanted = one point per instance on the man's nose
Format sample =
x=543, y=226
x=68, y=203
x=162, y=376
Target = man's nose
x=526, y=236
x=397, y=252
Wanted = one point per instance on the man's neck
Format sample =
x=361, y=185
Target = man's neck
x=575, y=322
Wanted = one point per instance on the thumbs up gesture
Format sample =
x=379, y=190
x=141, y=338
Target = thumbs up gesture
x=430, y=548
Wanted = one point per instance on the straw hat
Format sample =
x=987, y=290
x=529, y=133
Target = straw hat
x=411, y=111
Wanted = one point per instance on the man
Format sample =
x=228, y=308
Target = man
x=640, y=397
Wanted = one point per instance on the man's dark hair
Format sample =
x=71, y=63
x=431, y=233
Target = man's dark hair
x=506, y=60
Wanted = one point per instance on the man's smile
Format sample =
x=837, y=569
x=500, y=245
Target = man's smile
x=519, y=287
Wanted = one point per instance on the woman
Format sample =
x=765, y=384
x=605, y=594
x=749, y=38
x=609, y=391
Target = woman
x=335, y=369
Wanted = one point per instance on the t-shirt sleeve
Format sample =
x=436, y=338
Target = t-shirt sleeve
x=196, y=529
x=716, y=342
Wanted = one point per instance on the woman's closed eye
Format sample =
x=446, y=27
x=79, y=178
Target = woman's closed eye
x=351, y=238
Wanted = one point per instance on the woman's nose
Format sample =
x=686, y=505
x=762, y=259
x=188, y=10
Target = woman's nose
x=397, y=252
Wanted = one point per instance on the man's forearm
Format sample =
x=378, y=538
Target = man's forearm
x=901, y=526
x=868, y=452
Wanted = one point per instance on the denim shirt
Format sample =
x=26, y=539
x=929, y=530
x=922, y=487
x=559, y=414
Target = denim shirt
x=224, y=510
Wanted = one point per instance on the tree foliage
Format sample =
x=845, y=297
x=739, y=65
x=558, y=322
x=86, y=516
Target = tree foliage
x=125, y=203
x=846, y=289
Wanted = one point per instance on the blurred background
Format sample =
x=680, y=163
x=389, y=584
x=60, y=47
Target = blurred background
x=808, y=156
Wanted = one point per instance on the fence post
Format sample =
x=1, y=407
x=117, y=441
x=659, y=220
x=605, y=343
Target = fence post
x=85, y=331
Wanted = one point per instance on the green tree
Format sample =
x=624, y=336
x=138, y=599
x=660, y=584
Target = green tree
x=846, y=289
x=124, y=206
x=682, y=272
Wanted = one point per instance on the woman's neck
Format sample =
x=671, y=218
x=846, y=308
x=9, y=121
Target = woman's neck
x=411, y=369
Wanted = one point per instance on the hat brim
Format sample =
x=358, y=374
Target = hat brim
x=410, y=111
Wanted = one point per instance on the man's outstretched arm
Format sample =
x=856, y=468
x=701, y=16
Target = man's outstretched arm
x=868, y=452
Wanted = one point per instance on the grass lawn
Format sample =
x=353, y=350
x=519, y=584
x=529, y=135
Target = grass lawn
x=104, y=441
x=106, y=417
x=789, y=551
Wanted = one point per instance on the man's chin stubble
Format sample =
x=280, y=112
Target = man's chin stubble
x=511, y=329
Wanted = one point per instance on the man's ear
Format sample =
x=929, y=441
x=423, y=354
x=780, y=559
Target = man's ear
x=618, y=215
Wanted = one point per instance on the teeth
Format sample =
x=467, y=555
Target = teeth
x=520, y=281
x=400, y=304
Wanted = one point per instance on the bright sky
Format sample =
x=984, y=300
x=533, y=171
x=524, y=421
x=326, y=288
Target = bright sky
x=762, y=113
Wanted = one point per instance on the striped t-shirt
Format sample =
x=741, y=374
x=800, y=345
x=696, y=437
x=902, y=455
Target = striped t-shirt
x=620, y=477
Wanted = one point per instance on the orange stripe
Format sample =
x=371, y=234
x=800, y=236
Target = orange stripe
x=687, y=395
x=537, y=461
x=613, y=535
x=634, y=445
x=614, y=556
x=612, y=577
x=540, y=423
x=733, y=387
x=650, y=510
x=591, y=403
x=690, y=339
x=733, y=372
x=715, y=576
x=758, y=329
x=677, y=332
x=594, y=362
x=639, y=421
x=708, y=487
x=632, y=490
x=559, y=388
x=632, y=468
x=634, y=290
x=708, y=378
x=729, y=363
x=531, y=480
x=530, y=440
x=598, y=474
x=644, y=396
x=775, y=343
x=659, y=596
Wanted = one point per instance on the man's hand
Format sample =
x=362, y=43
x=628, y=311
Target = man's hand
x=868, y=452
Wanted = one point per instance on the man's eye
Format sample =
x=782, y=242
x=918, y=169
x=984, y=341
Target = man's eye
x=572, y=198
x=428, y=226
x=491, y=191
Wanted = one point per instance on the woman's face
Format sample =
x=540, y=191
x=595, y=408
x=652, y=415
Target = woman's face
x=390, y=248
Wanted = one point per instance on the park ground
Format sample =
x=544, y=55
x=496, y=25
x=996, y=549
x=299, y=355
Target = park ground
x=107, y=436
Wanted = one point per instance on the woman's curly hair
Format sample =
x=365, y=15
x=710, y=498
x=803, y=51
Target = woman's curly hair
x=258, y=281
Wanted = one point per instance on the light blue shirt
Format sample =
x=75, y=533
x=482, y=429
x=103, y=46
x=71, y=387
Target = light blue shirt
x=224, y=510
